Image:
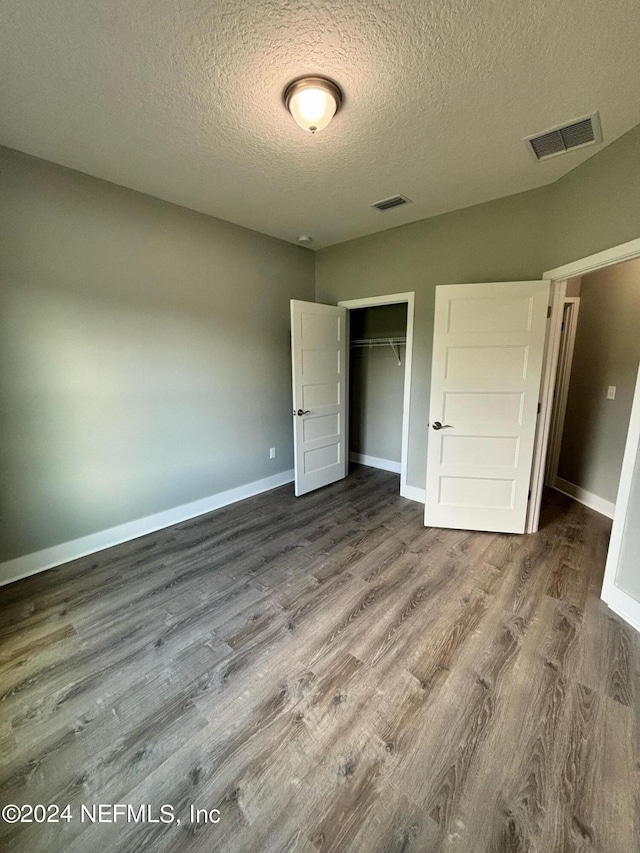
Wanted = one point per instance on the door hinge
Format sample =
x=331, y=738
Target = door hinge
x=548, y=311
x=539, y=407
x=529, y=498
x=562, y=327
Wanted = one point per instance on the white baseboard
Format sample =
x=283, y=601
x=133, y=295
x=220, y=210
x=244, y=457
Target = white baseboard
x=413, y=493
x=626, y=607
x=375, y=462
x=30, y=564
x=584, y=497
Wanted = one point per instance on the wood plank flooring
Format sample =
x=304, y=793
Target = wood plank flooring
x=331, y=676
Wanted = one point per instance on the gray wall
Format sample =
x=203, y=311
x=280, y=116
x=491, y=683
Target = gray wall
x=144, y=354
x=377, y=383
x=607, y=352
x=594, y=207
x=573, y=286
x=502, y=240
x=144, y=348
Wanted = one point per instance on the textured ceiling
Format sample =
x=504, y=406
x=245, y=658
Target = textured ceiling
x=181, y=99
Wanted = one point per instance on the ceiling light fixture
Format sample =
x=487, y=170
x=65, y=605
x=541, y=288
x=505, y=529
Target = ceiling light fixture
x=313, y=101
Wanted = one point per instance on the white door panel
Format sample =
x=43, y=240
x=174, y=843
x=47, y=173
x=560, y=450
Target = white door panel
x=621, y=587
x=488, y=349
x=318, y=358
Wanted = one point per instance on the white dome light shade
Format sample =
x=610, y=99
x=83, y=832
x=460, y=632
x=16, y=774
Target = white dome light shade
x=312, y=109
x=313, y=102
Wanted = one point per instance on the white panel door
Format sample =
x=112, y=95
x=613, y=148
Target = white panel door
x=318, y=358
x=488, y=348
x=621, y=587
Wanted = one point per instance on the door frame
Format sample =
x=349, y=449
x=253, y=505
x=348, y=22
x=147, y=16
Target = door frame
x=559, y=276
x=406, y=491
x=559, y=409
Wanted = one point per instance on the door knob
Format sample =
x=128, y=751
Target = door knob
x=300, y=412
x=438, y=425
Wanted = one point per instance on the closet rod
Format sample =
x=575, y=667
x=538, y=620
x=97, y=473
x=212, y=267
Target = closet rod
x=377, y=342
x=394, y=343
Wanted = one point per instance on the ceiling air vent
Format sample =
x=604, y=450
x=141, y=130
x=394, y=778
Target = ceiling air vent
x=388, y=203
x=559, y=140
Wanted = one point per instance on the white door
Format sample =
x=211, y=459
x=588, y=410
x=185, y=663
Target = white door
x=319, y=365
x=621, y=587
x=488, y=347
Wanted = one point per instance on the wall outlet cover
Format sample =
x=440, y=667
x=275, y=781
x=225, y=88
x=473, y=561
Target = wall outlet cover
x=611, y=392
x=272, y=453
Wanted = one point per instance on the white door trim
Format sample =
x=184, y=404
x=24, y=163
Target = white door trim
x=549, y=370
x=559, y=276
x=615, y=255
x=618, y=600
x=394, y=299
x=563, y=376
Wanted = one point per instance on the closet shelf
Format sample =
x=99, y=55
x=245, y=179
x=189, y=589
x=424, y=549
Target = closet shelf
x=370, y=343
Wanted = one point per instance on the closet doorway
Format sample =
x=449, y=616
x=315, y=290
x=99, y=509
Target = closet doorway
x=379, y=394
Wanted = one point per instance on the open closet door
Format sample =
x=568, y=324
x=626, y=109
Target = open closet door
x=488, y=348
x=319, y=366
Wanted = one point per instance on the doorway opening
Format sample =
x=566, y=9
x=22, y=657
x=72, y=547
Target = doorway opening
x=599, y=352
x=563, y=379
x=377, y=338
x=609, y=456
x=380, y=355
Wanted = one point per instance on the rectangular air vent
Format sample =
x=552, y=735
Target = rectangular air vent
x=559, y=140
x=388, y=203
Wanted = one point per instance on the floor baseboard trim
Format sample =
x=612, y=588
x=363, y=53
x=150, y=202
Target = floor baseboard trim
x=413, y=493
x=375, y=462
x=584, y=497
x=49, y=558
x=623, y=605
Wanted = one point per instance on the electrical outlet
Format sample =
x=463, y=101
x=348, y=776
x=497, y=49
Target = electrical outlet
x=611, y=393
x=272, y=453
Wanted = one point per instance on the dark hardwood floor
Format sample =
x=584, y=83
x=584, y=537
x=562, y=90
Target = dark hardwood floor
x=331, y=676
